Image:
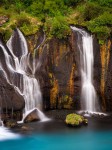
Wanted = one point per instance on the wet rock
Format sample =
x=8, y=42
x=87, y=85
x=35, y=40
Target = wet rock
x=10, y=98
x=25, y=128
x=61, y=62
x=33, y=116
x=85, y=122
x=0, y=123
x=10, y=123
x=108, y=79
x=75, y=120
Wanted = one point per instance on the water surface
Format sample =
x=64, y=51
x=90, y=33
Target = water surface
x=55, y=135
x=72, y=141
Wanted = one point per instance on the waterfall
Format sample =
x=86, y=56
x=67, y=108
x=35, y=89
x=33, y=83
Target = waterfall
x=20, y=73
x=85, y=47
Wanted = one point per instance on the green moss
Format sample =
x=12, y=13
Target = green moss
x=28, y=24
x=29, y=29
x=74, y=119
x=95, y=17
x=57, y=27
x=101, y=25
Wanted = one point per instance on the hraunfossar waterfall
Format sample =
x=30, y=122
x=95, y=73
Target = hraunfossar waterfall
x=55, y=74
x=89, y=101
x=57, y=81
x=17, y=73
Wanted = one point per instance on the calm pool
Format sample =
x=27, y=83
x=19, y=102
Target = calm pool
x=69, y=141
x=55, y=135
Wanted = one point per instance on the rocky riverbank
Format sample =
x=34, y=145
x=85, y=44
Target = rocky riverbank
x=57, y=124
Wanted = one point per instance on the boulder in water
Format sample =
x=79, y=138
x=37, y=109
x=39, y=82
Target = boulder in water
x=26, y=128
x=32, y=116
x=10, y=123
x=75, y=120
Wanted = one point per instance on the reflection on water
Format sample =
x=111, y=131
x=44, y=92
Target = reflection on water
x=69, y=141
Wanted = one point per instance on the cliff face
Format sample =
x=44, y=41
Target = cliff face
x=59, y=73
x=60, y=77
x=107, y=75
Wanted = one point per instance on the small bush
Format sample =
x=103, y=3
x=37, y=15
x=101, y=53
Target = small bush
x=91, y=11
x=36, y=9
x=29, y=29
x=22, y=19
x=104, y=19
x=71, y=2
x=102, y=2
x=101, y=26
x=57, y=27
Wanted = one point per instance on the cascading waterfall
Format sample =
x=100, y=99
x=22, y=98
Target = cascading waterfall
x=88, y=93
x=17, y=64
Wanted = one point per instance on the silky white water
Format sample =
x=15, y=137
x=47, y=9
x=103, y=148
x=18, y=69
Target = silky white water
x=27, y=85
x=88, y=93
x=5, y=133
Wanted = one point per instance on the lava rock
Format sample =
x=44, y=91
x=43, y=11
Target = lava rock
x=85, y=122
x=33, y=116
x=75, y=120
x=10, y=98
x=26, y=128
x=0, y=123
x=10, y=123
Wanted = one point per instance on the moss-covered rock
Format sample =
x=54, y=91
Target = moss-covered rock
x=75, y=120
x=10, y=123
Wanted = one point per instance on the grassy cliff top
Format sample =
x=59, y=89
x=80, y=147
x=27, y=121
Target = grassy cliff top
x=56, y=16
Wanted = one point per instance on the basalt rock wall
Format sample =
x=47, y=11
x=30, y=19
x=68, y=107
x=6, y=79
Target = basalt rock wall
x=59, y=74
x=60, y=77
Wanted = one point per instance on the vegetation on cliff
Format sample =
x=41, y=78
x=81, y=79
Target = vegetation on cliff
x=56, y=16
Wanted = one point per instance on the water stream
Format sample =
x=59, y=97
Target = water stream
x=17, y=73
x=89, y=99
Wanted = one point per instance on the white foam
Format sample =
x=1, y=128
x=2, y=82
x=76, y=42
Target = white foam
x=40, y=114
x=91, y=113
x=6, y=134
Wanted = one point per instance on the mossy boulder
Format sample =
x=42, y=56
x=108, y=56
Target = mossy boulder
x=75, y=120
x=10, y=123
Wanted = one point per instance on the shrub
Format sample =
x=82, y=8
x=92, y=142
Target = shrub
x=57, y=27
x=101, y=25
x=21, y=20
x=104, y=19
x=103, y=2
x=71, y=2
x=36, y=9
x=91, y=11
x=29, y=29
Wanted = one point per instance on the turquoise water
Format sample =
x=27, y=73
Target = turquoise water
x=67, y=141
